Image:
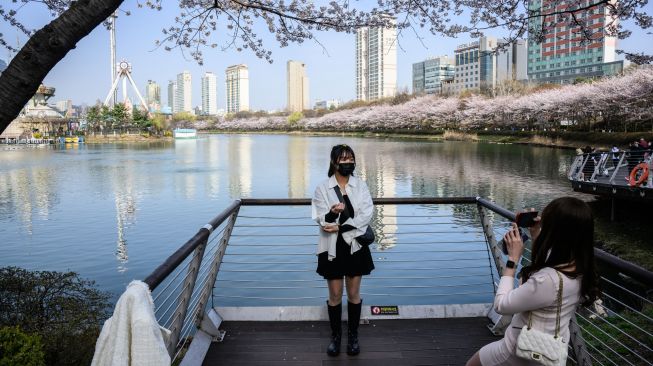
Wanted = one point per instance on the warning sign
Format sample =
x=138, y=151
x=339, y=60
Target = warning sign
x=384, y=310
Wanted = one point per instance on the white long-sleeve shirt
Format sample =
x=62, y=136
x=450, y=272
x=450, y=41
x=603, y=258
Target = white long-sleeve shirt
x=539, y=296
x=325, y=197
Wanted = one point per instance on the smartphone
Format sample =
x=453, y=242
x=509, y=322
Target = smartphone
x=524, y=239
x=526, y=218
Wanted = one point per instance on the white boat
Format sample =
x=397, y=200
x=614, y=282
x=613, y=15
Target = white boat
x=184, y=133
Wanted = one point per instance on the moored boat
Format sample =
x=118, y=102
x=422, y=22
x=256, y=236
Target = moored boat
x=184, y=133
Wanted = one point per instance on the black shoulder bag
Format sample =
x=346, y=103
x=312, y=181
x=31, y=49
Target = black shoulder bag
x=365, y=239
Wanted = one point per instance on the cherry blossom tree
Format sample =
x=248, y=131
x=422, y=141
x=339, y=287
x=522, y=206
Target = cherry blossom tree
x=624, y=98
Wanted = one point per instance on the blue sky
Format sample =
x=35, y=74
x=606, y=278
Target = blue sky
x=84, y=76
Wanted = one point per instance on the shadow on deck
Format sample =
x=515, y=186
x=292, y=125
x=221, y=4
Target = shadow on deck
x=383, y=342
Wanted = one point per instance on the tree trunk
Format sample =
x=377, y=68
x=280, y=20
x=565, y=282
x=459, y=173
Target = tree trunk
x=44, y=50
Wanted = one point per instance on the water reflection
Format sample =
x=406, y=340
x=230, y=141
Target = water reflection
x=186, y=163
x=240, y=166
x=125, y=203
x=298, y=167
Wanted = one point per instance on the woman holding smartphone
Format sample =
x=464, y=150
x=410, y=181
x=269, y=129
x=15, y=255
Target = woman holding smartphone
x=340, y=255
x=562, y=253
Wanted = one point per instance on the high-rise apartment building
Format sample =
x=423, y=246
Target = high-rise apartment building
x=430, y=75
x=237, y=80
x=376, y=63
x=566, y=54
x=209, y=94
x=172, y=95
x=475, y=65
x=184, y=95
x=297, y=86
x=153, y=96
x=511, y=62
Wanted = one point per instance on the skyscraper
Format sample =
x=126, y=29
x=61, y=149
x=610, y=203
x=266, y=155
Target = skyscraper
x=184, y=95
x=237, y=80
x=511, y=62
x=153, y=96
x=430, y=75
x=376, y=63
x=172, y=95
x=297, y=86
x=566, y=54
x=209, y=94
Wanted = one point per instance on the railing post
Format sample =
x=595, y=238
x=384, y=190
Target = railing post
x=614, y=174
x=572, y=170
x=500, y=321
x=215, y=267
x=578, y=343
x=580, y=171
x=184, y=299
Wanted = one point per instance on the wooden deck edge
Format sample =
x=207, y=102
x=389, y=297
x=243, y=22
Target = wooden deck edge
x=319, y=313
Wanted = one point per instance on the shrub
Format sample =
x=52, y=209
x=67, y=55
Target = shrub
x=294, y=118
x=18, y=348
x=65, y=310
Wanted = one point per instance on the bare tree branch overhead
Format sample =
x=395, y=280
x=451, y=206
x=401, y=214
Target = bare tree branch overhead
x=234, y=24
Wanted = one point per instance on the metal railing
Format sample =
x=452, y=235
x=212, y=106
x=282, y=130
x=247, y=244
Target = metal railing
x=610, y=168
x=428, y=251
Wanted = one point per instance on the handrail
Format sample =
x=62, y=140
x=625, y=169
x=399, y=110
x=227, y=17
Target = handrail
x=376, y=201
x=629, y=269
x=191, y=301
x=161, y=272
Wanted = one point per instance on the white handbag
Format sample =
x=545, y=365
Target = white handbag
x=540, y=347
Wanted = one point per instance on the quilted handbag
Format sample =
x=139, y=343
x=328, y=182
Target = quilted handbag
x=540, y=347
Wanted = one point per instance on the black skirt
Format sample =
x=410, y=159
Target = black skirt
x=345, y=263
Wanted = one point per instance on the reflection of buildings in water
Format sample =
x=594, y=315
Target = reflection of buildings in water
x=240, y=166
x=125, y=211
x=298, y=167
x=27, y=193
x=186, y=160
x=382, y=183
x=212, y=160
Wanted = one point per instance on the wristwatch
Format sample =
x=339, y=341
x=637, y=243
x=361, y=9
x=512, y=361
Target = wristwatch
x=510, y=264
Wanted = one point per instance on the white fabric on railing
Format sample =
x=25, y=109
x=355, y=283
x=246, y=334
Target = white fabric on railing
x=132, y=335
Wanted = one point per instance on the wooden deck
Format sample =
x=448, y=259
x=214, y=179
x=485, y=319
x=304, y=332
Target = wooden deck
x=447, y=341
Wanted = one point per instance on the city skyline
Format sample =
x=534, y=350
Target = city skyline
x=81, y=76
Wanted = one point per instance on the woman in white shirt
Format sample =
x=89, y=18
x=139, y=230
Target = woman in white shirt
x=563, y=241
x=340, y=255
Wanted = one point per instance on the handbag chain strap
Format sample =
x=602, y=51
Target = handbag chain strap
x=558, y=309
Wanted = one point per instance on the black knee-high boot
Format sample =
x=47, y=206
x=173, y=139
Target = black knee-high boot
x=354, y=317
x=335, y=319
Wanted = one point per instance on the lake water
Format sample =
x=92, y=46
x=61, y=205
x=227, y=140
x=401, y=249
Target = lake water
x=113, y=212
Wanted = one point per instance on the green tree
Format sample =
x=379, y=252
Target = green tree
x=294, y=118
x=119, y=114
x=65, y=310
x=93, y=116
x=140, y=118
x=18, y=348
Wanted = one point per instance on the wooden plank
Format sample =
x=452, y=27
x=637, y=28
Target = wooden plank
x=383, y=342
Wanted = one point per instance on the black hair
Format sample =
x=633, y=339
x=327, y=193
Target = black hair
x=337, y=152
x=568, y=232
